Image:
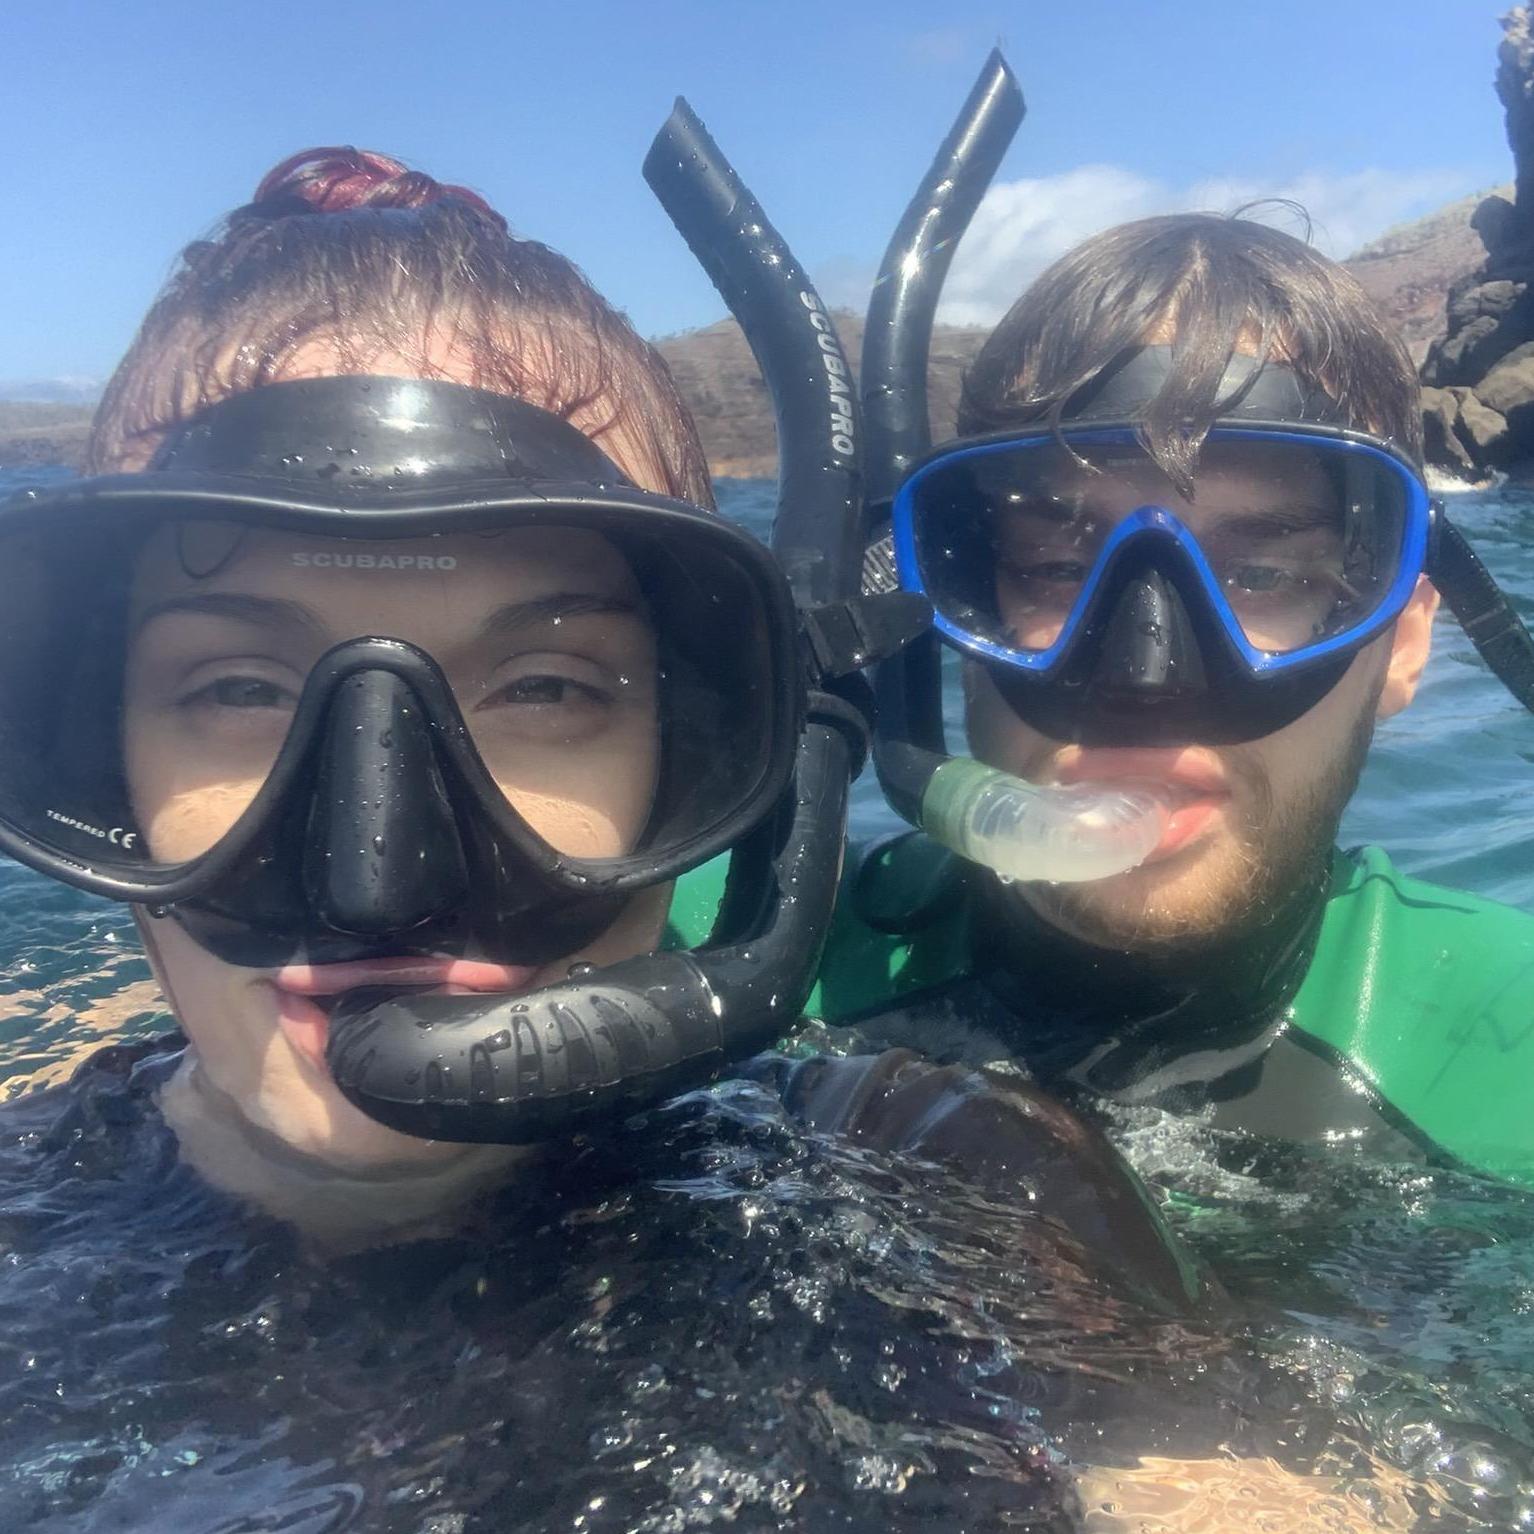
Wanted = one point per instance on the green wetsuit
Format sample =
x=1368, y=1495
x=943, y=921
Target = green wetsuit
x=1400, y=1012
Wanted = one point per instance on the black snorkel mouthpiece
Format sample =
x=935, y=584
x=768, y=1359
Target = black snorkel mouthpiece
x=517, y=1069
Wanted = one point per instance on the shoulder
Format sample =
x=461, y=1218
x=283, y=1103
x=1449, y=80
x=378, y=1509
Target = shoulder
x=1428, y=993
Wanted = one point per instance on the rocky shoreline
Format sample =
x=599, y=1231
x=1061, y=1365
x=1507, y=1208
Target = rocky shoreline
x=1478, y=399
x=33, y=435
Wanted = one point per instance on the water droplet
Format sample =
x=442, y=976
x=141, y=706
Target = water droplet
x=378, y=844
x=580, y=969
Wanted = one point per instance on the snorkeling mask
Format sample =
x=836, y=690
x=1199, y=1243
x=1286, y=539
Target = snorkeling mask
x=1109, y=611
x=373, y=668
x=1105, y=608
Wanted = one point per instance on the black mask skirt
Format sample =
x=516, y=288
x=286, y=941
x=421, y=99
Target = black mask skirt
x=373, y=669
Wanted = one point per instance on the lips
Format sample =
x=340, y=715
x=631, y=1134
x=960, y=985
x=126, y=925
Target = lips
x=299, y=988
x=1195, y=781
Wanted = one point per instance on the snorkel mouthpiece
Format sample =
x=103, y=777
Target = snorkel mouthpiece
x=1024, y=832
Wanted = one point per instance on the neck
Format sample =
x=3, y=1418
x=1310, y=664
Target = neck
x=337, y=1209
x=1154, y=1025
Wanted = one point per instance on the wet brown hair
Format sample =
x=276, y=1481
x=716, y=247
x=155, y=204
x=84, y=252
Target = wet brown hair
x=353, y=251
x=1218, y=285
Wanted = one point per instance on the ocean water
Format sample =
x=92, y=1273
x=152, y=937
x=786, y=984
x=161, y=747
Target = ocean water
x=718, y=1321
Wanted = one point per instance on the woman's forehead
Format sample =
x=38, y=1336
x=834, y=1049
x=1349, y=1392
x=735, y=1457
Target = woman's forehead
x=464, y=566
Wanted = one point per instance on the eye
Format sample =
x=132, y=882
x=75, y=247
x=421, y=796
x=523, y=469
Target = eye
x=241, y=692
x=1258, y=578
x=545, y=690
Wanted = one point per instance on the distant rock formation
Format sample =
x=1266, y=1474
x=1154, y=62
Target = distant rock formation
x=32, y=434
x=1478, y=403
x=1406, y=271
x=1409, y=270
x=718, y=377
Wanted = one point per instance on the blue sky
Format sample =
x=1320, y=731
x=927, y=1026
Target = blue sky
x=130, y=126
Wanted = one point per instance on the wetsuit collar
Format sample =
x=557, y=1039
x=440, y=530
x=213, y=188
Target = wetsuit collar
x=1177, y=1032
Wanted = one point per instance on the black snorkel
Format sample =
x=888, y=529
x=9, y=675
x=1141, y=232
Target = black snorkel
x=517, y=1069
x=909, y=744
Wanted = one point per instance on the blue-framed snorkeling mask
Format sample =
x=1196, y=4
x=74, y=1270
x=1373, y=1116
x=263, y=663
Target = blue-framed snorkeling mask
x=1110, y=608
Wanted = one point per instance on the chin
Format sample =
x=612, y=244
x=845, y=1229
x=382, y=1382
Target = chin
x=1194, y=897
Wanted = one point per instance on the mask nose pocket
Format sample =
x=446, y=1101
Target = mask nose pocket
x=1150, y=649
x=383, y=854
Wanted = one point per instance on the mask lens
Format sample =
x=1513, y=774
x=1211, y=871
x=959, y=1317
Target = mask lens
x=1304, y=542
x=617, y=687
x=633, y=713
x=1302, y=539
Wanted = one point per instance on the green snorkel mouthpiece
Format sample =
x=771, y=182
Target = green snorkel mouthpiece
x=1024, y=832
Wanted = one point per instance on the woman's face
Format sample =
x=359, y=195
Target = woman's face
x=544, y=638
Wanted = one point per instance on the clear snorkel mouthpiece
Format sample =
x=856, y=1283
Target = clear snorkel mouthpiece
x=1065, y=835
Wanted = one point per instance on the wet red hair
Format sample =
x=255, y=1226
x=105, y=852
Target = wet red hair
x=337, y=179
x=353, y=251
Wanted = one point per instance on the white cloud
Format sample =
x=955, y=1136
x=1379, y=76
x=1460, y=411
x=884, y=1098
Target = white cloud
x=1022, y=226
x=941, y=45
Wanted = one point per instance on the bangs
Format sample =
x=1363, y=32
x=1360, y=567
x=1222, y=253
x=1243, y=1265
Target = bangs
x=1216, y=287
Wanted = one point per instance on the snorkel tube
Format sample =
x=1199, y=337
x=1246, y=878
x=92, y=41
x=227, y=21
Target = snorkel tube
x=609, y=1042
x=1019, y=830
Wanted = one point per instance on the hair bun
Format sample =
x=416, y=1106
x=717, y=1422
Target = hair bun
x=340, y=178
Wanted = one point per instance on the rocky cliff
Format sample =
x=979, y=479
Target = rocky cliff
x=1479, y=401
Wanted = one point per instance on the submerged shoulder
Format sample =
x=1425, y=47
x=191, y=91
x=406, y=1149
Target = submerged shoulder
x=1377, y=916
x=1429, y=993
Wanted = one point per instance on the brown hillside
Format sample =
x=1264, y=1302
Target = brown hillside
x=718, y=377
x=1409, y=269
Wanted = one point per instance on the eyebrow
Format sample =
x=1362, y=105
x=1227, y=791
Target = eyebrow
x=1283, y=519
x=1043, y=505
x=242, y=607
x=551, y=609
x=279, y=613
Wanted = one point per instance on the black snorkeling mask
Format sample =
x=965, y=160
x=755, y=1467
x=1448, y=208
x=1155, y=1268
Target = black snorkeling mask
x=379, y=673
x=1152, y=627
x=376, y=666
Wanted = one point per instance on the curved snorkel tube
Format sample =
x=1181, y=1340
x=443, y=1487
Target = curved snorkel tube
x=611, y=1041
x=988, y=816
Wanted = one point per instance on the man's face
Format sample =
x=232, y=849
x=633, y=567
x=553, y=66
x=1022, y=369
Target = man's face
x=1253, y=820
